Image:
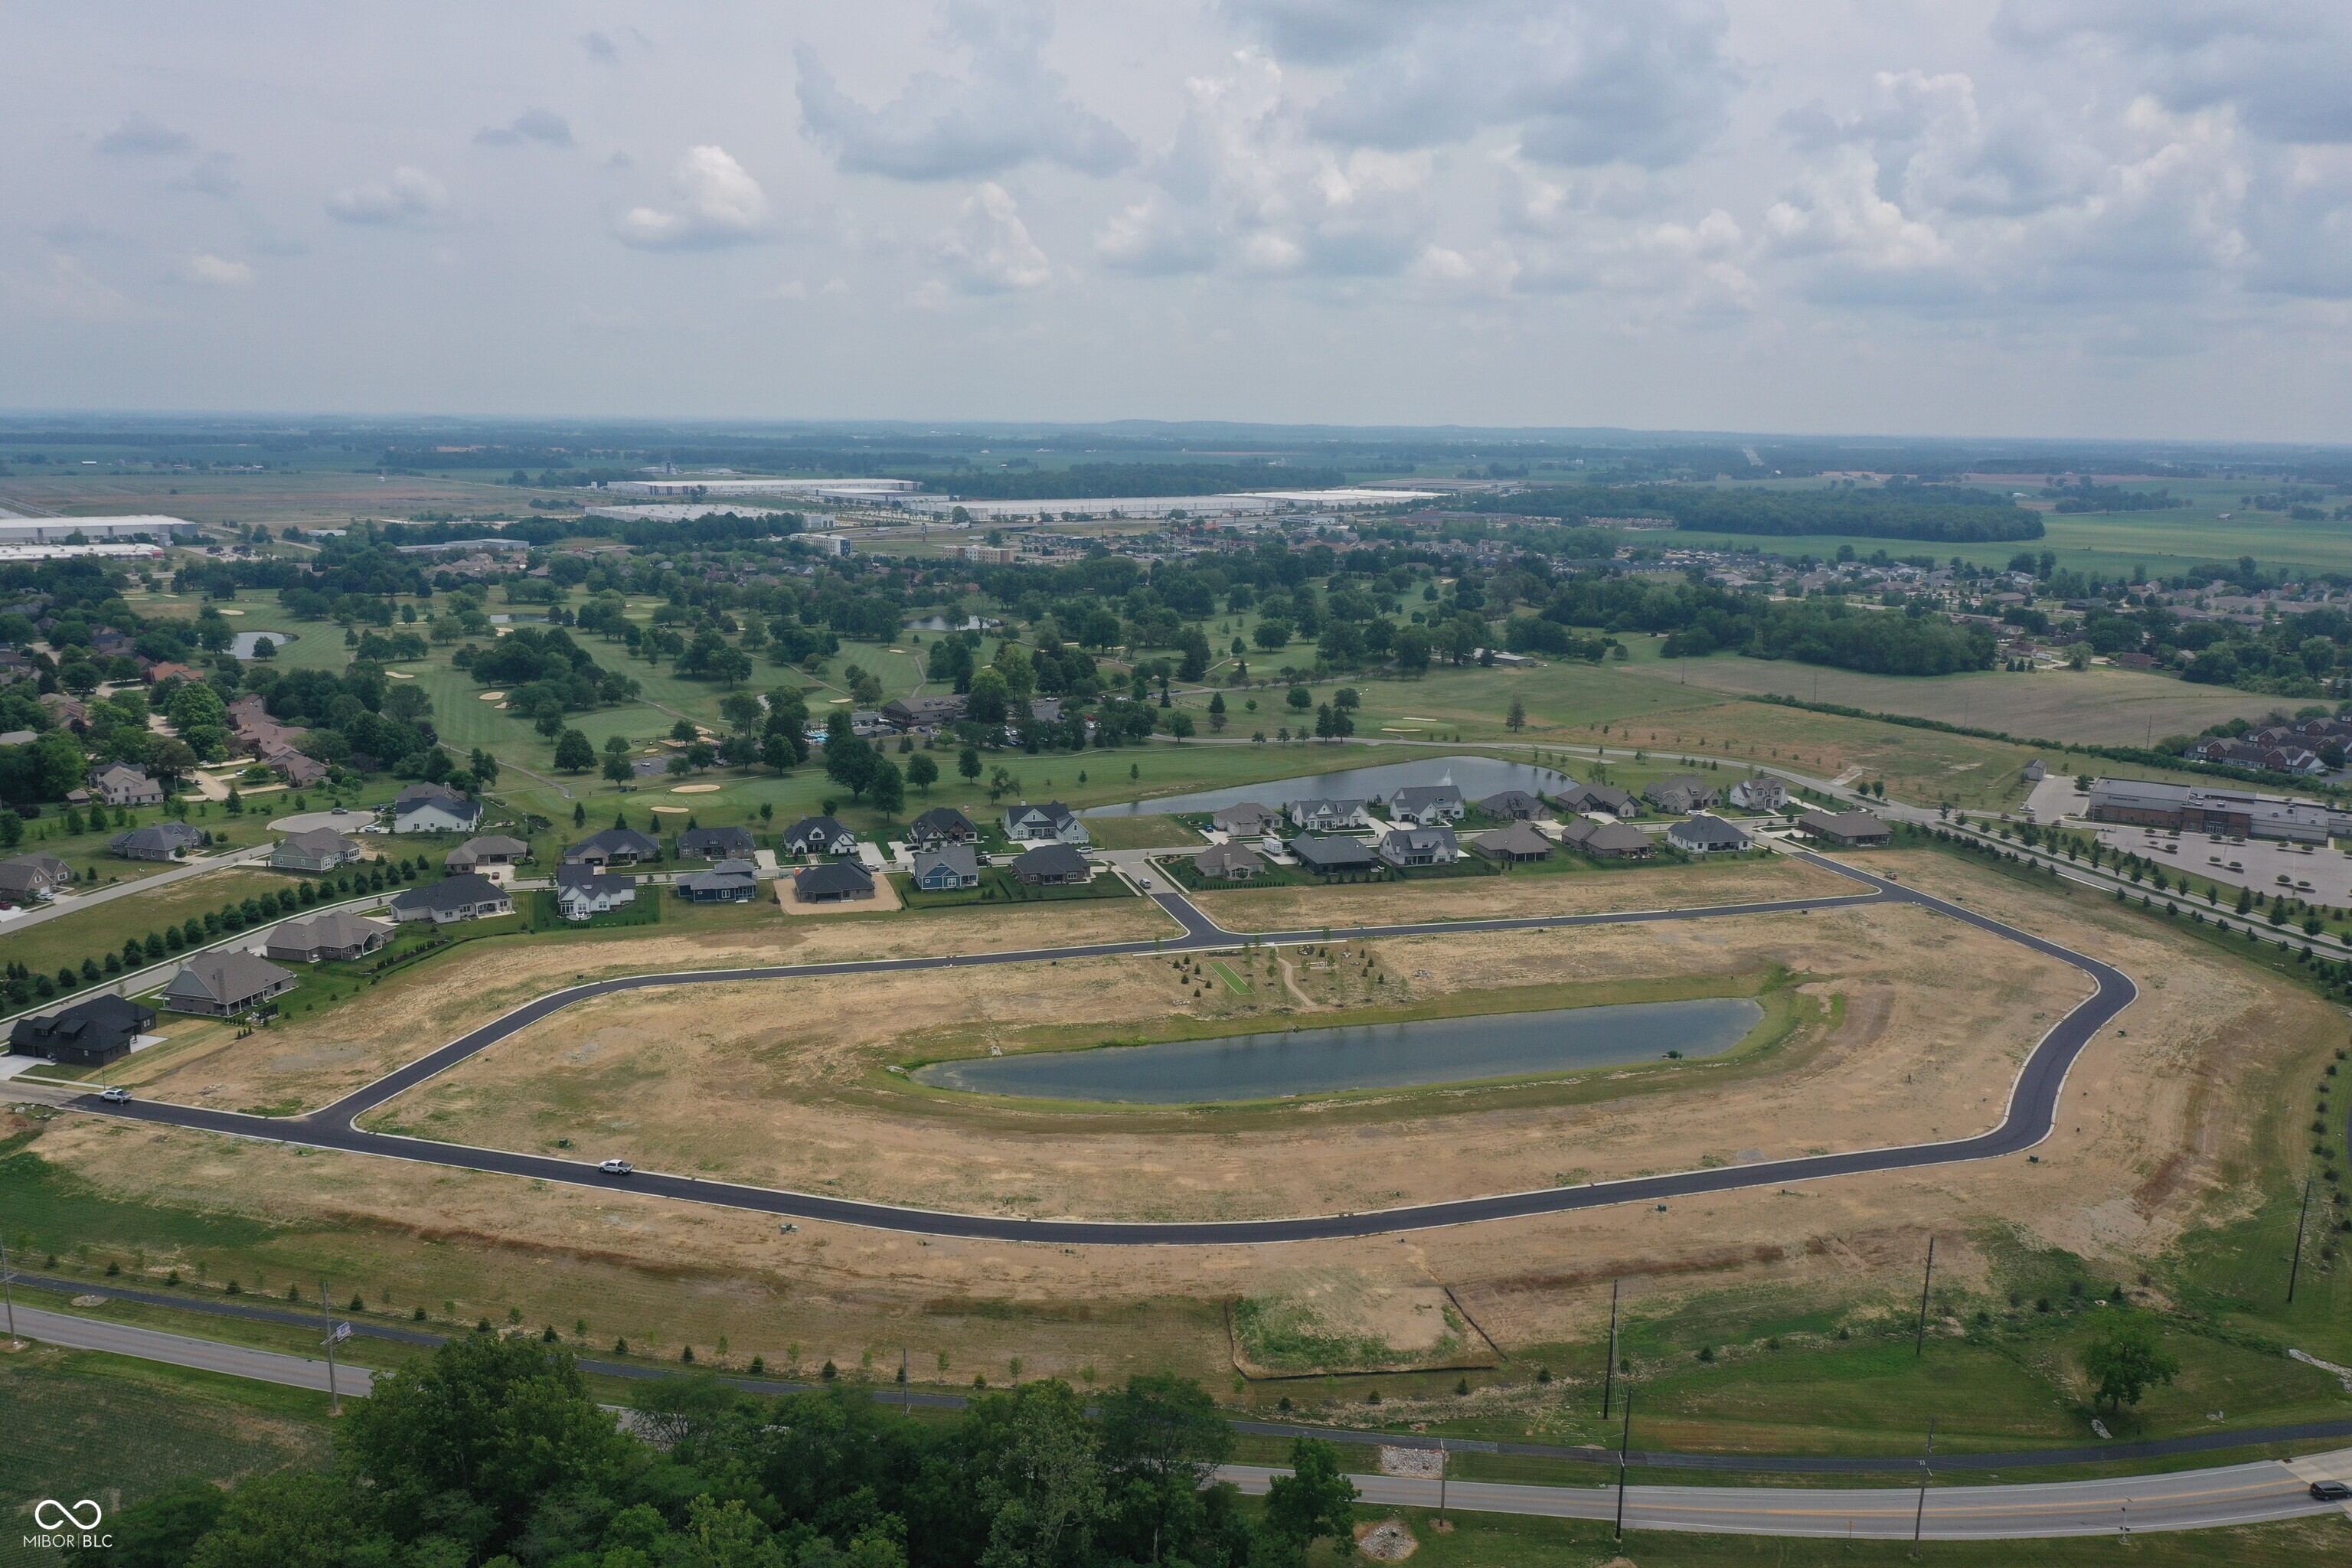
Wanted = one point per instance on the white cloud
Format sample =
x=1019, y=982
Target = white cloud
x=1011, y=110
x=990, y=248
x=541, y=125
x=718, y=203
x=65, y=291
x=410, y=196
x=141, y=136
x=218, y=272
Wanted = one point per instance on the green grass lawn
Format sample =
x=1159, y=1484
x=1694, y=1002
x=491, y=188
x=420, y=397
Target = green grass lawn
x=101, y=929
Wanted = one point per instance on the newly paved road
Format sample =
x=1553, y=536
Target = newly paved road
x=2031, y=1111
x=2257, y=1493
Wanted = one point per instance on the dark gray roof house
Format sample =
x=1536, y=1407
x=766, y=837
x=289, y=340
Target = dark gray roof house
x=163, y=841
x=29, y=877
x=1052, y=864
x=1706, y=835
x=820, y=836
x=89, y=1034
x=1515, y=806
x=434, y=809
x=583, y=892
x=490, y=850
x=1519, y=841
x=1049, y=823
x=941, y=824
x=614, y=847
x=1434, y=846
x=732, y=881
x=1607, y=840
x=717, y=844
x=1598, y=797
x=1247, y=819
x=1331, y=855
x=223, y=984
x=319, y=849
x=831, y=881
x=1848, y=830
x=466, y=898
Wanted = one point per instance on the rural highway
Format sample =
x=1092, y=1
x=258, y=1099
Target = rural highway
x=2030, y=1114
x=2259, y=1492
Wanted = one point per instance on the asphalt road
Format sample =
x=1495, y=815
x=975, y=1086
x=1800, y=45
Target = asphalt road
x=2238, y=1494
x=2032, y=1111
x=2257, y=1493
x=179, y=1350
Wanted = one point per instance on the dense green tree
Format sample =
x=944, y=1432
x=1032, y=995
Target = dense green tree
x=2125, y=1361
x=574, y=753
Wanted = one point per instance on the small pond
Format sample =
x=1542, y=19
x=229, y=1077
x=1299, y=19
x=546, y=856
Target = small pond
x=1475, y=777
x=243, y=644
x=1364, y=1055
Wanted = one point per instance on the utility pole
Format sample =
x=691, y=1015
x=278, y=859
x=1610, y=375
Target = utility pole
x=1926, y=1473
x=9, y=1288
x=2301, y=1220
x=1919, y=1341
x=1441, y=1483
x=1609, y=1382
x=327, y=1310
x=1624, y=1444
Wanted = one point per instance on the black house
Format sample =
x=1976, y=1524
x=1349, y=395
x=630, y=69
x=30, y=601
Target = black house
x=88, y=1034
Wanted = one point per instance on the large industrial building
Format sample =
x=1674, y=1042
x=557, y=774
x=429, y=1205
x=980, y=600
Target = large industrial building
x=96, y=529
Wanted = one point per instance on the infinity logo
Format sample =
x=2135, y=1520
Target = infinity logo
x=50, y=1514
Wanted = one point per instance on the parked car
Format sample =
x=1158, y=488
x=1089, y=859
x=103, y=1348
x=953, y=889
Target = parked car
x=615, y=1167
x=117, y=1095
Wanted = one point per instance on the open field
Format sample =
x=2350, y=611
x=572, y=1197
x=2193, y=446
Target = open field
x=101, y=929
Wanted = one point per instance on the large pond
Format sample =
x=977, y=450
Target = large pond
x=1475, y=777
x=1367, y=1056
x=243, y=644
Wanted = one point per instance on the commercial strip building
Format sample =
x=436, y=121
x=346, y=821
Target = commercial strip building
x=2235, y=813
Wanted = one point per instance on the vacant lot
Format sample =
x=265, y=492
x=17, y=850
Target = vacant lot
x=95, y=931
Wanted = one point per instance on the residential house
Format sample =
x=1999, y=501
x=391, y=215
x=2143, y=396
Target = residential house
x=946, y=868
x=1426, y=806
x=336, y=935
x=1607, y=840
x=119, y=783
x=1247, y=819
x=91, y=1033
x=1329, y=815
x=583, y=890
x=1581, y=798
x=1517, y=843
x=1680, y=794
x=1051, y=866
x=434, y=809
x=319, y=849
x=489, y=854
x=717, y=844
x=1706, y=835
x=29, y=878
x=1229, y=862
x=451, y=899
x=820, y=836
x=297, y=768
x=1420, y=846
x=731, y=881
x=1334, y=855
x=941, y=824
x=163, y=841
x=1051, y=822
x=1516, y=805
x=1846, y=829
x=832, y=882
x=223, y=984
x=1760, y=794
x=614, y=847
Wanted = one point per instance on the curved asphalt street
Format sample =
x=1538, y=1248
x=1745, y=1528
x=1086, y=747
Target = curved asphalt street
x=2031, y=1112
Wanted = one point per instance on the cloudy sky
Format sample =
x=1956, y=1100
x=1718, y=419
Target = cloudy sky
x=2032, y=217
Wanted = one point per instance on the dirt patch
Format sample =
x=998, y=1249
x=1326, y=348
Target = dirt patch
x=885, y=899
x=1492, y=898
x=1312, y=1322
x=1387, y=1542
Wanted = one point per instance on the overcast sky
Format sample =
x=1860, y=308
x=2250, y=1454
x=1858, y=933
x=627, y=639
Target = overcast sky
x=2032, y=217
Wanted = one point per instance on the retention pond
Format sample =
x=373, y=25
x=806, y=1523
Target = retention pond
x=1361, y=1055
